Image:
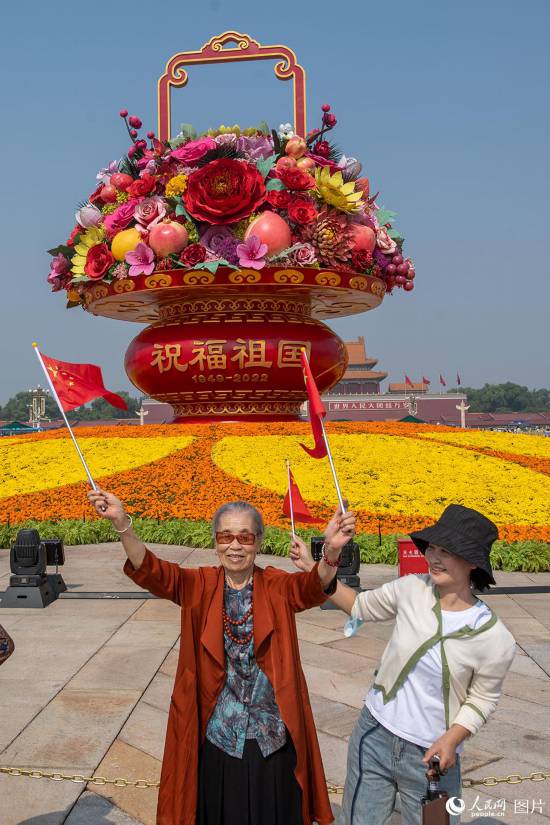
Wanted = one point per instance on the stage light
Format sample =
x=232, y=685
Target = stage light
x=30, y=584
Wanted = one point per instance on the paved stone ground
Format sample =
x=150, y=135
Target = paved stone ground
x=88, y=688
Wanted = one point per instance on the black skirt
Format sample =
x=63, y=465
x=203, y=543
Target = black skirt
x=254, y=790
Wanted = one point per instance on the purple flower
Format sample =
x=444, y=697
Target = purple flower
x=104, y=174
x=254, y=148
x=141, y=260
x=252, y=253
x=380, y=259
x=222, y=242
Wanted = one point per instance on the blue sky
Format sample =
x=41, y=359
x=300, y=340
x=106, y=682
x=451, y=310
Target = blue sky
x=446, y=105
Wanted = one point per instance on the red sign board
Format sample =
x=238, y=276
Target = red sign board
x=410, y=558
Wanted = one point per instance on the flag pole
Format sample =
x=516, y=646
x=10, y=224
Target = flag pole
x=62, y=411
x=333, y=469
x=290, y=498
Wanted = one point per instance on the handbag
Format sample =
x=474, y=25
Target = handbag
x=6, y=645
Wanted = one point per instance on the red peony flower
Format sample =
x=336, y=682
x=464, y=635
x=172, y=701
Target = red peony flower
x=279, y=198
x=361, y=259
x=142, y=186
x=302, y=211
x=224, y=191
x=98, y=261
x=296, y=180
x=95, y=196
x=193, y=254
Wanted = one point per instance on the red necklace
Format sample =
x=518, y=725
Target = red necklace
x=228, y=622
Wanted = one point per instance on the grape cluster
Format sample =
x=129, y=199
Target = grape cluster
x=400, y=272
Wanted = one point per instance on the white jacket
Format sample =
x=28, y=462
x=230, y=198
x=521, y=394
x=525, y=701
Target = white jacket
x=474, y=662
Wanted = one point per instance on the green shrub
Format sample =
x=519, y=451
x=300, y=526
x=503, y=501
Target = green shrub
x=527, y=556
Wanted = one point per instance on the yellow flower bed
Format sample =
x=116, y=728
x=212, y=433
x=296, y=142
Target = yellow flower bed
x=533, y=445
x=27, y=467
x=394, y=475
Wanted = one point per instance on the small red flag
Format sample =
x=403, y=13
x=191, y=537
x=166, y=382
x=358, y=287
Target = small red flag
x=426, y=380
x=76, y=384
x=316, y=412
x=408, y=382
x=442, y=381
x=300, y=509
x=458, y=380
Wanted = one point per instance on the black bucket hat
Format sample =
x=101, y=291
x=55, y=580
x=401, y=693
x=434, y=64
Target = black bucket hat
x=463, y=532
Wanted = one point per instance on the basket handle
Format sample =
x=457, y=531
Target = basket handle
x=245, y=49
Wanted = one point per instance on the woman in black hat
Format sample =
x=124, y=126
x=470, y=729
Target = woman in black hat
x=440, y=675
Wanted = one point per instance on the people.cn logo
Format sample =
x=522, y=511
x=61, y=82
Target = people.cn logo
x=455, y=805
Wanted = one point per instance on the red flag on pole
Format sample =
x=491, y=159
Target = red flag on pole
x=458, y=380
x=76, y=384
x=297, y=508
x=408, y=382
x=316, y=412
x=426, y=380
x=442, y=381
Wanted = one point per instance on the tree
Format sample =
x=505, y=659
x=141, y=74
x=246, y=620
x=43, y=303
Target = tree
x=508, y=397
x=17, y=409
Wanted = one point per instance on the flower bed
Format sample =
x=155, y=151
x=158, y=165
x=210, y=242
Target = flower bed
x=396, y=476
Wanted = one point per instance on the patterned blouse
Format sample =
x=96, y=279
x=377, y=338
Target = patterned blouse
x=246, y=707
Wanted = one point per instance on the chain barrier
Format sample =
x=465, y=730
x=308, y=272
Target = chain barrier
x=120, y=782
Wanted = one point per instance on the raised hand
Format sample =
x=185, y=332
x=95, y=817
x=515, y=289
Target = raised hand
x=300, y=554
x=108, y=506
x=340, y=529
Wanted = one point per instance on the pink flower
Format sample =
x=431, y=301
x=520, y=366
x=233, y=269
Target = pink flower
x=59, y=265
x=88, y=215
x=149, y=212
x=121, y=217
x=304, y=256
x=141, y=260
x=252, y=253
x=194, y=150
x=384, y=243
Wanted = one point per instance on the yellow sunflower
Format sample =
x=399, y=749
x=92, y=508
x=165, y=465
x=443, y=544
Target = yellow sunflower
x=91, y=237
x=333, y=190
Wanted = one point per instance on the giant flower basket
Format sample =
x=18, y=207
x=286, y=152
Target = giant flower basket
x=234, y=246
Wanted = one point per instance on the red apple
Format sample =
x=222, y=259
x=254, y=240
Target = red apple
x=363, y=237
x=121, y=181
x=167, y=238
x=296, y=147
x=272, y=230
x=107, y=193
x=307, y=164
x=284, y=163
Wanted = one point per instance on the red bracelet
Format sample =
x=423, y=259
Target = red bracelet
x=328, y=561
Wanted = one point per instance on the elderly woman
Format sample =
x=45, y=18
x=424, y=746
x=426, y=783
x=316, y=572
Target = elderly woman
x=440, y=675
x=241, y=746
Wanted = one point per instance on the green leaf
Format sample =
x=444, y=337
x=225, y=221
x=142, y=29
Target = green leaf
x=393, y=233
x=188, y=131
x=181, y=210
x=263, y=126
x=274, y=183
x=68, y=251
x=265, y=165
x=385, y=216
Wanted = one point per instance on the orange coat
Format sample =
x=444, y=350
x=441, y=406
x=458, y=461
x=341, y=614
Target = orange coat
x=201, y=673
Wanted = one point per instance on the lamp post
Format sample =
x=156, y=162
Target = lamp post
x=37, y=407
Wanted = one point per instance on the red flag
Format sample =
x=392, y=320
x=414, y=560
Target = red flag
x=299, y=507
x=442, y=381
x=316, y=412
x=426, y=380
x=408, y=382
x=76, y=384
x=458, y=380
